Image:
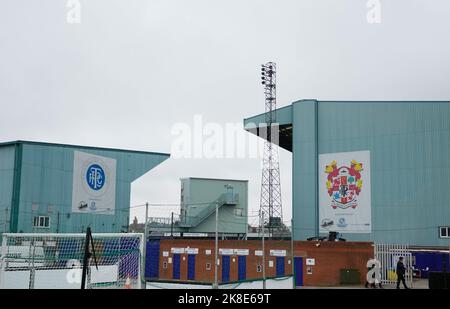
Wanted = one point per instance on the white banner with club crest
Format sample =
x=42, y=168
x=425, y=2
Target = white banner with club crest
x=344, y=192
x=94, y=184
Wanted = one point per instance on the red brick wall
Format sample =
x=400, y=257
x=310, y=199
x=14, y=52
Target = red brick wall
x=329, y=257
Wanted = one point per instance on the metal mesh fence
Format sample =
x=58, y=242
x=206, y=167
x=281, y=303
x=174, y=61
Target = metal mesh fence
x=388, y=255
x=35, y=261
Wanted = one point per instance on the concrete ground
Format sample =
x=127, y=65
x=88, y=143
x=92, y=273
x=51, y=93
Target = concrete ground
x=417, y=284
x=285, y=284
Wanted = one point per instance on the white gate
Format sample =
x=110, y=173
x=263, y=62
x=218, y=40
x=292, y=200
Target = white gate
x=388, y=255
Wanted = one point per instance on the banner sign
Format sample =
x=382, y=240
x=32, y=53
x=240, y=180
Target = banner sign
x=278, y=252
x=258, y=253
x=192, y=250
x=195, y=234
x=178, y=250
x=94, y=184
x=226, y=251
x=241, y=251
x=344, y=192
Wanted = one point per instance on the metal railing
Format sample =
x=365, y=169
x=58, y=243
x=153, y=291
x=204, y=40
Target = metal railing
x=388, y=255
x=224, y=199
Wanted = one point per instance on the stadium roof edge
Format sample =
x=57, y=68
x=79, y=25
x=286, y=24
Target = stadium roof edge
x=80, y=146
x=217, y=179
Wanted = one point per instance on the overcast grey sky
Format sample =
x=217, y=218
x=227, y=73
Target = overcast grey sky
x=132, y=69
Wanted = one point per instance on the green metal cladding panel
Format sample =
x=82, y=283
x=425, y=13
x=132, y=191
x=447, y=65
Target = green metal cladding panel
x=304, y=176
x=201, y=190
x=409, y=144
x=7, y=155
x=46, y=180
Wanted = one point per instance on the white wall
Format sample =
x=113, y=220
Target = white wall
x=57, y=278
x=282, y=283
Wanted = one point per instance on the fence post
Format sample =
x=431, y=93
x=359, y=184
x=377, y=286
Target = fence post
x=33, y=269
x=3, y=260
x=141, y=275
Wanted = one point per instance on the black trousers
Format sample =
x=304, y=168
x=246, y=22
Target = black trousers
x=401, y=278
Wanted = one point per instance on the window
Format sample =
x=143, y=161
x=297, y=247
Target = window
x=444, y=232
x=41, y=221
x=208, y=266
x=238, y=212
x=258, y=268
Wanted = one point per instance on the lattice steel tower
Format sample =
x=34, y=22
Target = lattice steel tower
x=270, y=183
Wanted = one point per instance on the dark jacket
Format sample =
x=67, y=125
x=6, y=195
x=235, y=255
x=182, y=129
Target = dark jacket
x=400, y=268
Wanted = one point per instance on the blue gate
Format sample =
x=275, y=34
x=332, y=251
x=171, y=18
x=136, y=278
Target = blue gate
x=152, y=259
x=430, y=261
x=225, y=268
x=191, y=267
x=242, y=268
x=176, y=266
x=280, y=266
x=298, y=269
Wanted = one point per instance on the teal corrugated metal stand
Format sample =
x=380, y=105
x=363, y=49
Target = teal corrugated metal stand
x=7, y=154
x=409, y=144
x=36, y=180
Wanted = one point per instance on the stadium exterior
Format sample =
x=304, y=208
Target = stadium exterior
x=54, y=188
x=395, y=155
x=198, y=199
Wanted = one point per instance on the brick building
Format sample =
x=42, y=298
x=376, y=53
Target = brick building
x=316, y=264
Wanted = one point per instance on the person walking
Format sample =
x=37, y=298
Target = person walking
x=401, y=269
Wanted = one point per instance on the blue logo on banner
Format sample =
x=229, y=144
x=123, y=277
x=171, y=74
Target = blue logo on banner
x=95, y=177
x=342, y=223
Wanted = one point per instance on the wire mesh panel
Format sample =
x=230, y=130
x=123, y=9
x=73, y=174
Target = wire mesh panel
x=388, y=255
x=35, y=261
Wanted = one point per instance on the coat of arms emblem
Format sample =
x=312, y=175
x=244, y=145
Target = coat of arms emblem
x=344, y=184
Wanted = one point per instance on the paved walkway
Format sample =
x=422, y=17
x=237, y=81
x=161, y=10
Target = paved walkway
x=417, y=284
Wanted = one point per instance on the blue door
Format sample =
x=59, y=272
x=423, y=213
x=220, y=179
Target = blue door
x=152, y=259
x=242, y=268
x=280, y=266
x=225, y=268
x=191, y=267
x=298, y=269
x=176, y=266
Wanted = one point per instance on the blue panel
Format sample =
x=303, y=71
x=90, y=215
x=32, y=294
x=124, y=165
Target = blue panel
x=152, y=259
x=191, y=267
x=431, y=261
x=225, y=268
x=280, y=266
x=298, y=268
x=242, y=268
x=176, y=266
